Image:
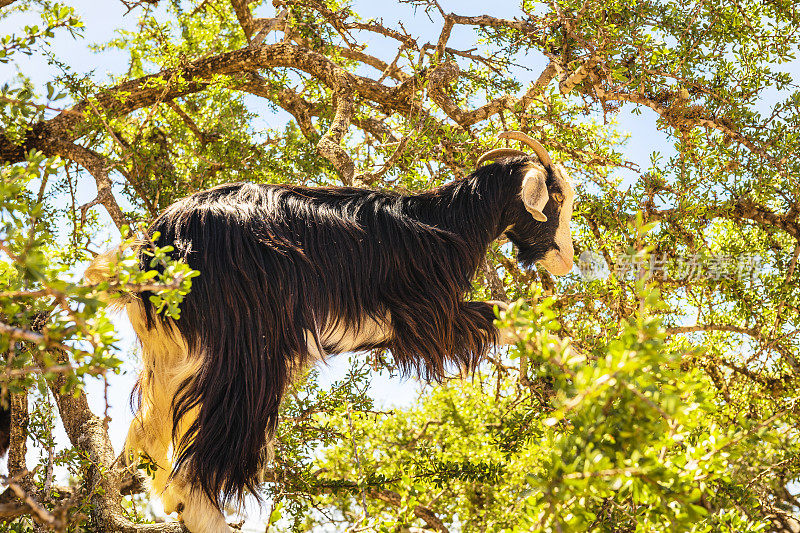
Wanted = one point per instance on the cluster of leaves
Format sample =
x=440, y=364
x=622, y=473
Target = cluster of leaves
x=633, y=441
x=39, y=303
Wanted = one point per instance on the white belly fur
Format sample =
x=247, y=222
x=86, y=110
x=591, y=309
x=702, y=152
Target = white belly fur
x=339, y=337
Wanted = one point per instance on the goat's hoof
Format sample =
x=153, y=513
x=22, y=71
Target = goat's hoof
x=500, y=304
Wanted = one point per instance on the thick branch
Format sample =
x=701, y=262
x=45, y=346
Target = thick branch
x=329, y=145
x=197, y=75
x=712, y=327
x=174, y=83
x=421, y=512
x=578, y=76
x=88, y=434
x=97, y=166
x=16, y=500
x=15, y=333
x=302, y=111
x=25, y=501
x=11, y=507
x=438, y=80
x=244, y=16
x=493, y=22
x=748, y=209
x=265, y=26
x=444, y=36
x=17, y=467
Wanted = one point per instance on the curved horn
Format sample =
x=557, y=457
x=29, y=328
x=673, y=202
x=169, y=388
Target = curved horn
x=498, y=153
x=544, y=157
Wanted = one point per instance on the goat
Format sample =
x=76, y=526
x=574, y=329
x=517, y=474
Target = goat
x=289, y=274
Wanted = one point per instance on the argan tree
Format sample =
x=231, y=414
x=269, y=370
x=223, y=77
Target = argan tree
x=653, y=389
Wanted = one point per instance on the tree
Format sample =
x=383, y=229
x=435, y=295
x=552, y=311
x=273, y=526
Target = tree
x=657, y=395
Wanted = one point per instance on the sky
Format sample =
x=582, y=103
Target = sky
x=103, y=18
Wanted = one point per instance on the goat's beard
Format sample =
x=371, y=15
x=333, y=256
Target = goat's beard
x=529, y=254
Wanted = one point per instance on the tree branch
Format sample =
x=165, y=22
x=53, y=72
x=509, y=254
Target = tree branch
x=578, y=76
x=691, y=117
x=328, y=146
x=746, y=208
x=188, y=121
x=196, y=76
x=302, y=110
x=369, y=178
x=97, y=166
x=17, y=468
x=420, y=511
x=448, y=72
x=88, y=434
x=438, y=80
x=244, y=16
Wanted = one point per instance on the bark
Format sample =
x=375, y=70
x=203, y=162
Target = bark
x=244, y=16
x=17, y=468
x=329, y=146
x=746, y=208
x=88, y=434
x=423, y=513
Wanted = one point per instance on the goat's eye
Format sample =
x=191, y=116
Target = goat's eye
x=558, y=197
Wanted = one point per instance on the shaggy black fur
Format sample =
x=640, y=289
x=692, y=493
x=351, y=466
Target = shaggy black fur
x=277, y=261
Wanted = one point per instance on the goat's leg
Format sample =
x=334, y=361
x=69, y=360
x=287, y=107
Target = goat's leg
x=505, y=336
x=474, y=333
x=167, y=366
x=197, y=512
x=150, y=439
x=148, y=443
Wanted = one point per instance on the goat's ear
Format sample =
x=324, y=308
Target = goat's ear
x=534, y=192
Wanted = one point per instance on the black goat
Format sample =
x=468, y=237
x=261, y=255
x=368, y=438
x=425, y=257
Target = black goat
x=289, y=274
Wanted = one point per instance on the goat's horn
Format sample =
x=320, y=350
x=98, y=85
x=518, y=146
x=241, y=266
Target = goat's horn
x=497, y=153
x=544, y=157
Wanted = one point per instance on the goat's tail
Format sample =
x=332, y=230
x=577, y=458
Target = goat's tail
x=102, y=269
